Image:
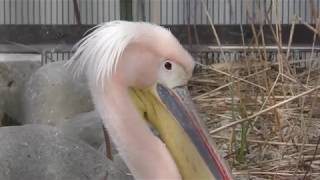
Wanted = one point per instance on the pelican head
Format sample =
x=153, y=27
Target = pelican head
x=137, y=74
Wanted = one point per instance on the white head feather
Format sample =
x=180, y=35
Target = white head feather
x=100, y=51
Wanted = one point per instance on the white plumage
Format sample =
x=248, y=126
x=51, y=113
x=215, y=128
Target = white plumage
x=99, y=55
x=100, y=51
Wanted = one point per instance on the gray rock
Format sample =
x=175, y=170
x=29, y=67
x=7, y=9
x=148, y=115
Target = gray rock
x=1, y=116
x=1, y=109
x=85, y=126
x=14, y=72
x=52, y=96
x=118, y=162
x=41, y=152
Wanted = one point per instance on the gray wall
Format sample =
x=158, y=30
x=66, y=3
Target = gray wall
x=157, y=11
x=57, y=11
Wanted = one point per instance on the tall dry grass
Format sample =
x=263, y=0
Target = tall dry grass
x=263, y=114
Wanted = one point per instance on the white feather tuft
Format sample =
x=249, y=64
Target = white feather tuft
x=100, y=51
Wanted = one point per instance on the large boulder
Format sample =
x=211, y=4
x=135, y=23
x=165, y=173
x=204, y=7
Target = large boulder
x=1, y=115
x=85, y=126
x=15, y=70
x=88, y=127
x=40, y=152
x=118, y=162
x=120, y=165
x=52, y=96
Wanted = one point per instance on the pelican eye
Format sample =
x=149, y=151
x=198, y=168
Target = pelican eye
x=168, y=65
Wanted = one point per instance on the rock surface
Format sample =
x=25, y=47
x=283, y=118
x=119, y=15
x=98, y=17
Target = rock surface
x=85, y=126
x=14, y=72
x=88, y=128
x=118, y=162
x=41, y=152
x=1, y=115
x=52, y=96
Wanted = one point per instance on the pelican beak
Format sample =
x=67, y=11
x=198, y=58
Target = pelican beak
x=172, y=113
x=193, y=151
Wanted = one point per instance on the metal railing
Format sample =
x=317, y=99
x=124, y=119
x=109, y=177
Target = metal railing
x=299, y=56
x=49, y=56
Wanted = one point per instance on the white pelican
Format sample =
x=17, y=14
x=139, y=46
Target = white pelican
x=137, y=74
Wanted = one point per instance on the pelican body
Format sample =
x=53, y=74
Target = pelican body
x=137, y=74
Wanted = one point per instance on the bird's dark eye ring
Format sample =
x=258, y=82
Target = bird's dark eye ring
x=168, y=65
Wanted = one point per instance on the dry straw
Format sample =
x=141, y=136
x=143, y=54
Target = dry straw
x=263, y=114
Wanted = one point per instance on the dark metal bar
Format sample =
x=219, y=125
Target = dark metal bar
x=172, y=6
x=62, y=12
x=103, y=14
x=10, y=12
x=87, y=13
x=161, y=12
x=69, y=13
x=28, y=13
x=212, y=16
x=271, y=14
x=4, y=11
x=305, y=10
x=236, y=11
x=39, y=6
x=109, y=12
x=92, y=9
x=195, y=12
x=241, y=9
x=129, y=11
x=45, y=10
x=230, y=11
x=57, y=12
x=166, y=12
x=224, y=11
x=253, y=15
x=34, y=11
x=178, y=12
x=125, y=10
x=282, y=11
x=205, y=16
x=98, y=12
x=16, y=11
x=294, y=5
x=289, y=12
x=51, y=14
x=150, y=10
x=300, y=8
x=77, y=11
x=218, y=11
